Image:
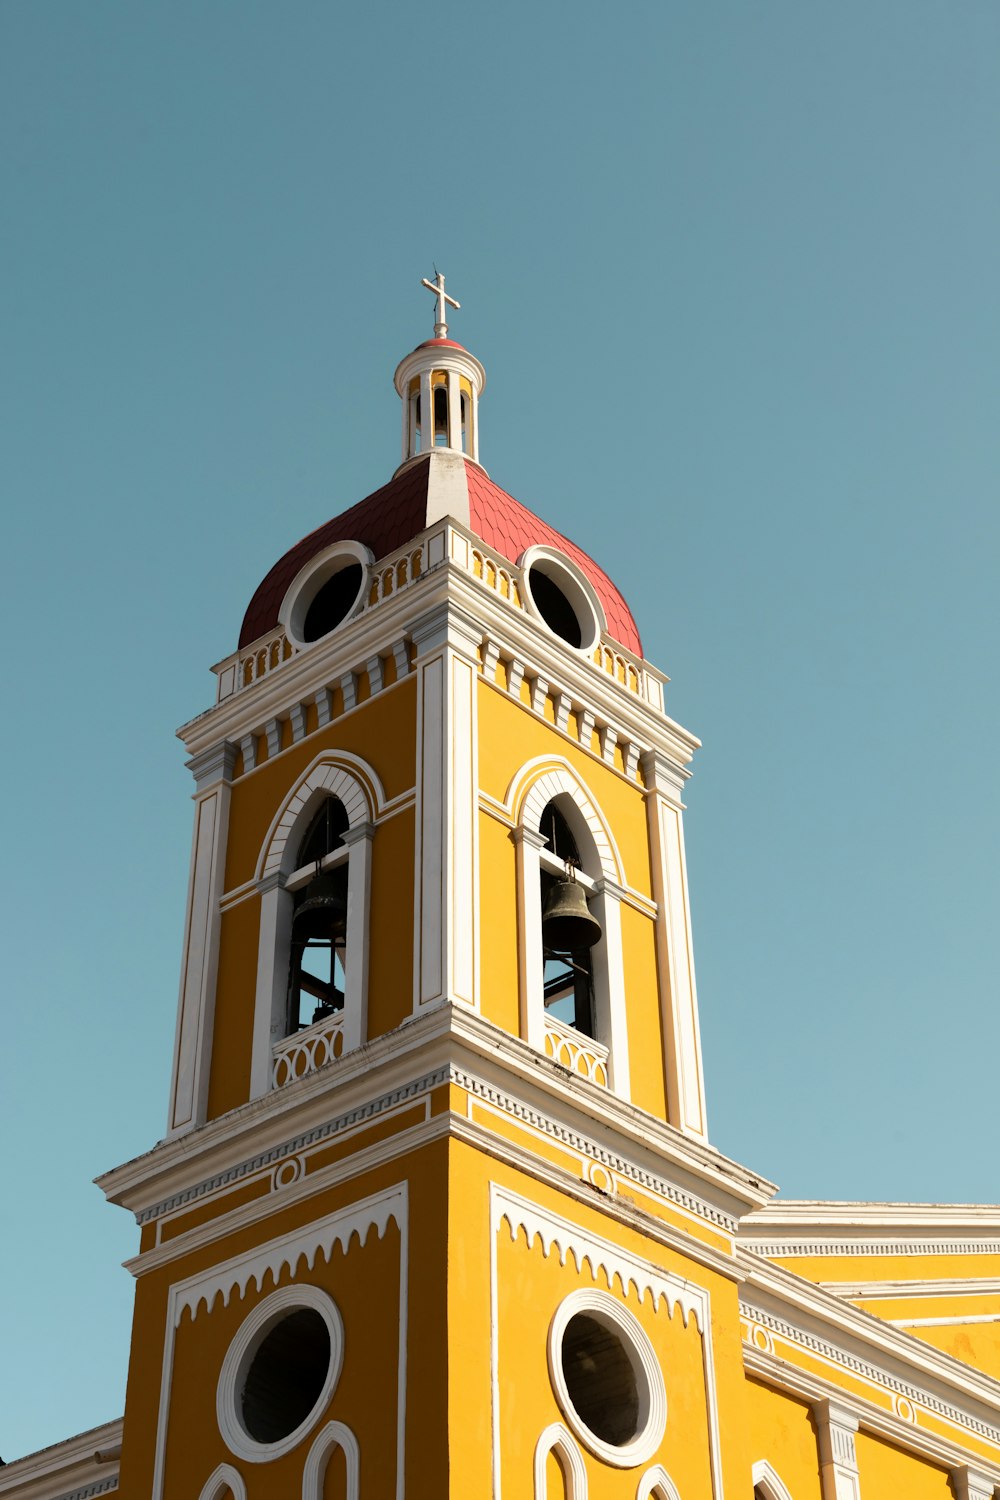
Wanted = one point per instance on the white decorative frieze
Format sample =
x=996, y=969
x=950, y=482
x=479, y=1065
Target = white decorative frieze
x=287, y=1252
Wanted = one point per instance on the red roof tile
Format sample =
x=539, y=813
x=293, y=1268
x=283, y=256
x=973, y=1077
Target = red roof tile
x=392, y=515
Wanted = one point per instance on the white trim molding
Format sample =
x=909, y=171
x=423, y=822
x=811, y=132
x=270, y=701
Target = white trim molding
x=239, y=1357
x=446, y=875
x=652, y=1396
x=838, y=1459
x=768, y=1480
x=656, y=1484
x=312, y=577
x=223, y=1478
x=334, y=1435
x=576, y=588
x=555, y=1439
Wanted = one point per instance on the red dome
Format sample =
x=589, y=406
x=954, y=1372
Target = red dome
x=391, y=516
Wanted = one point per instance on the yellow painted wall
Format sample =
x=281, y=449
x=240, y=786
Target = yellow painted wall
x=530, y=1286
x=382, y=732
x=364, y=1282
x=781, y=1431
x=229, y=1080
x=888, y=1471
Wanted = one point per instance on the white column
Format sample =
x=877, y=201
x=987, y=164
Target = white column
x=609, y=981
x=446, y=937
x=213, y=773
x=531, y=984
x=838, y=1459
x=454, y=411
x=473, y=437
x=674, y=948
x=970, y=1485
x=426, y=413
x=274, y=946
x=405, y=403
x=359, y=841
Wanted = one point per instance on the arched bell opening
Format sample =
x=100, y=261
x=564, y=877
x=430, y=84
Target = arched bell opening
x=440, y=403
x=463, y=406
x=319, y=960
x=570, y=931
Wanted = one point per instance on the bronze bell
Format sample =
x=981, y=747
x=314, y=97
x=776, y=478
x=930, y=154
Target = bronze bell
x=322, y=916
x=567, y=922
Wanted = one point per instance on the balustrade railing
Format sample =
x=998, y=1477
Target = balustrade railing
x=581, y=1054
x=305, y=1051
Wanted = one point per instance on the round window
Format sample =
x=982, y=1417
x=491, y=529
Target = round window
x=561, y=596
x=606, y=1378
x=325, y=593
x=280, y=1372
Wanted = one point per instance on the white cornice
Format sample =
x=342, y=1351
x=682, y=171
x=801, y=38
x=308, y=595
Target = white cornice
x=810, y=1217
x=821, y=1322
x=67, y=1468
x=449, y=1041
x=948, y=1286
x=777, y=1372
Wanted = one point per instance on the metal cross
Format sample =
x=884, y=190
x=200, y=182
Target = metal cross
x=437, y=287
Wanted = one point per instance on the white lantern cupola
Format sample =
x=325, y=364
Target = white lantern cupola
x=439, y=385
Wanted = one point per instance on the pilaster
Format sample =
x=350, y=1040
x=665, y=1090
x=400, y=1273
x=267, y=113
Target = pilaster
x=674, y=947
x=968, y=1484
x=446, y=928
x=838, y=1459
x=213, y=774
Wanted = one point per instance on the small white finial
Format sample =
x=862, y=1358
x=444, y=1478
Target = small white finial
x=437, y=287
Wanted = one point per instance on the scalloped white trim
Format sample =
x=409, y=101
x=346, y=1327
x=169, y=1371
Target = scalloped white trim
x=286, y=1253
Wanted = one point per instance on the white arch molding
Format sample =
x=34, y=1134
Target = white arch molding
x=556, y=1439
x=656, y=1484
x=224, y=1478
x=532, y=788
x=766, y=1478
x=333, y=1435
x=334, y=773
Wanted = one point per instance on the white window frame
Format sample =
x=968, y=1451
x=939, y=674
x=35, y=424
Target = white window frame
x=601, y=876
x=357, y=788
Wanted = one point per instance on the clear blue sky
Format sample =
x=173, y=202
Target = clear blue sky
x=732, y=269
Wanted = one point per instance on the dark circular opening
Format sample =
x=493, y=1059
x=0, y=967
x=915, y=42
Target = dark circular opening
x=600, y=1380
x=286, y=1376
x=332, y=603
x=554, y=608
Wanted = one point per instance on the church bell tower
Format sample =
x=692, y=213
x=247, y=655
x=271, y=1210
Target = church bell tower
x=435, y=1213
